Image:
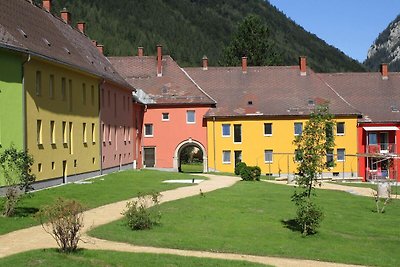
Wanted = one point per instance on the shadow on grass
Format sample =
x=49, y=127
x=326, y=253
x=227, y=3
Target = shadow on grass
x=24, y=211
x=292, y=224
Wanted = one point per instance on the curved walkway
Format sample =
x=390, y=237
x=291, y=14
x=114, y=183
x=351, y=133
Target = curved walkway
x=36, y=238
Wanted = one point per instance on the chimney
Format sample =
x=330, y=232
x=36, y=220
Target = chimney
x=303, y=65
x=140, y=51
x=100, y=48
x=81, y=27
x=205, y=63
x=66, y=16
x=159, y=60
x=384, y=71
x=47, y=5
x=244, y=64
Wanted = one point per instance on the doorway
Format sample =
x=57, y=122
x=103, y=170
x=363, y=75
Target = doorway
x=149, y=157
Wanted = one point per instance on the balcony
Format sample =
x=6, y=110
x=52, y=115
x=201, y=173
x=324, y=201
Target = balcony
x=384, y=148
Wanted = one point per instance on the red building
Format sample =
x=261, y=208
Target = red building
x=377, y=97
x=174, y=108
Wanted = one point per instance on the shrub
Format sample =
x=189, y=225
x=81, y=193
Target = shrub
x=63, y=221
x=309, y=216
x=138, y=214
x=250, y=173
x=239, y=167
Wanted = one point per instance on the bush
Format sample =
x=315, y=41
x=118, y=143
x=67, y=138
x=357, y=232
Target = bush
x=239, y=167
x=309, y=216
x=250, y=173
x=138, y=214
x=63, y=221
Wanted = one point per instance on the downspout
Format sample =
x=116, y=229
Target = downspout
x=24, y=114
x=215, y=164
x=100, y=128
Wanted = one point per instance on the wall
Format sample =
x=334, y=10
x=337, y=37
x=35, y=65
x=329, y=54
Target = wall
x=169, y=134
x=254, y=143
x=11, y=101
x=80, y=155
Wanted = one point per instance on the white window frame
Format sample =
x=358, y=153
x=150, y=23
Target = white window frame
x=344, y=154
x=266, y=152
x=226, y=152
x=271, y=129
x=162, y=116
x=222, y=129
x=187, y=116
x=344, y=129
x=152, y=130
x=294, y=125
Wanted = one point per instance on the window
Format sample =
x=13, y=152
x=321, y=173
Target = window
x=84, y=93
x=341, y=152
x=52, y=132
x=39, y=167
x=63, y=89
x=70, y=94
x=93, y=133
x=109, y=134
x=38, y=83
x=237, y=133
x=53, y=165
x=148, y=130
x=267, y=129
x=298, y=128
x=226, y=156
x=190, y=116
x=329, y=158
x=372, y=139
x=129, y=135
x=64, y=132
x=84, y=133
x=340, y=128
x=103, y=127
x=165, y=116
x=39, y=132
x=268, y=156
x=51, y=86
x=125, y=134
x=92, y=95
x=226, y=130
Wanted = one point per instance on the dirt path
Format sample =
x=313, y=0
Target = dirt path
x=36, y=238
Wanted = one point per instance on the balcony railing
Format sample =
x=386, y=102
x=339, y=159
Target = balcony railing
x=383, y=148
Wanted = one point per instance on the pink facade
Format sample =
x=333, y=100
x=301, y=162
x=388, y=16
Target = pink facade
x=118, y=128
x=378, y=147
x=171, y=132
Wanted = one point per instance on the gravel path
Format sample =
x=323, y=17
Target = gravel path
x=36, y=238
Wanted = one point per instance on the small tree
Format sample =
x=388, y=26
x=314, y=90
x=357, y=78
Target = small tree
x=312, y=146
x=63, y=221
x=253, y=40
x=15, y=167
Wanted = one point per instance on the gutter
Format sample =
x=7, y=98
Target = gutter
x=24, y=113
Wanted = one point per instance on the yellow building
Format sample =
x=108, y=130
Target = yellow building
x=259, y=112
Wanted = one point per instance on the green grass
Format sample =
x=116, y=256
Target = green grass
x=94, y=258
x=103, y=190
x=192, y=167
x=255, y=218
x=394, y=189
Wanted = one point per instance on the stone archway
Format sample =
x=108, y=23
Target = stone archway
x=186, y=143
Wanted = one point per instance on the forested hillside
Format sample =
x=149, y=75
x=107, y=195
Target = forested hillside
x=189, y=29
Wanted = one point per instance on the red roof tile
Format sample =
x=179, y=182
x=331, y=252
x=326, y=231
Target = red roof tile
x=266, y=91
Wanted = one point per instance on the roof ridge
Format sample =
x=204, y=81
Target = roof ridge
x=198, y=86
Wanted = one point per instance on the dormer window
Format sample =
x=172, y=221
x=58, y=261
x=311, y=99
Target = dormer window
x=394, y=109
x=310, y=102
x=67, y=50
x=46, y=42
x=22, y=33
x=250, y=102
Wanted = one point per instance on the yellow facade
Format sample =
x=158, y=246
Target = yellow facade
x=255, y=145
x=62, y=109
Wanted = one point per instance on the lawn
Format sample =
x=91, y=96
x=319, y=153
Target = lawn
x=192, y=167
x=102, y=190
x=255, y=218
x=394, y=189
x=93, y=258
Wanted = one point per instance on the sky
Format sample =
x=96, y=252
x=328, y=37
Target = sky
x=349, y=25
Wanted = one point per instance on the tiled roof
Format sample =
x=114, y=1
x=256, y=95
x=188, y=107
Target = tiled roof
x=173, y=87
x=30, y=29
x=267, y=91
x=378, y=99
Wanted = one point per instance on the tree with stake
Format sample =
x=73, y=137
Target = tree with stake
x=313, y=144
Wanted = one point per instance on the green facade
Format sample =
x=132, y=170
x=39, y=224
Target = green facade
x=11, y=102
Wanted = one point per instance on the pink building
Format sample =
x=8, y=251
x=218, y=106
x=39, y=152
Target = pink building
x=175, y=108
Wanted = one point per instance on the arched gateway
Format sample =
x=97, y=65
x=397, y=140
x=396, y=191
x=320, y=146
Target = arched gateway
x=184, y=144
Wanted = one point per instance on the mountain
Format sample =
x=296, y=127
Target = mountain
x=189, y=29
x=386, y=48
